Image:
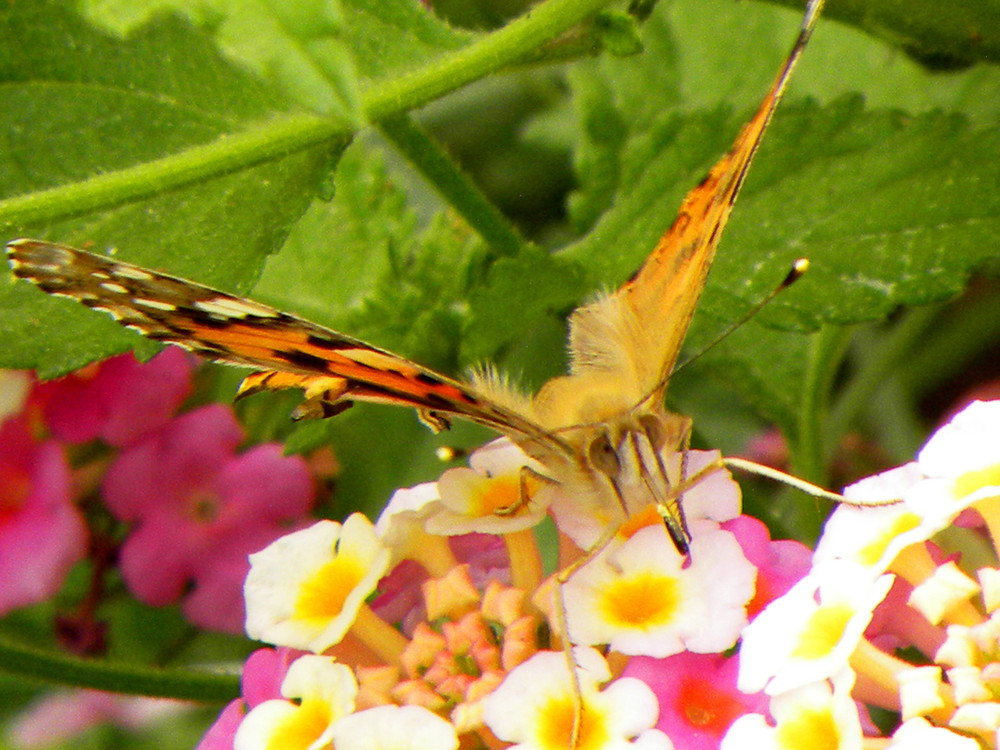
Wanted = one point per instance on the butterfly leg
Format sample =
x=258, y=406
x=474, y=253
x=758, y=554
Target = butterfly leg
x=562, y=623
x=526, y=477
x=671, y=507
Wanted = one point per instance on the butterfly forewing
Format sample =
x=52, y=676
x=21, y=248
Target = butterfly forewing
x=663, y=293
x=226, y=328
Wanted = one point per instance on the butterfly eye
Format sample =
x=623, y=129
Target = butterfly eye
x=603, y=456
x=655, y=430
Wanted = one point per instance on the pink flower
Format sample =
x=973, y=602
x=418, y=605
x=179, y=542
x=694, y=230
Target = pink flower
x=780, y=564
x=60, y=716
x=42, y=534
x=199, y=510
x=697, y=695
x=263, y=674
x=118, y=400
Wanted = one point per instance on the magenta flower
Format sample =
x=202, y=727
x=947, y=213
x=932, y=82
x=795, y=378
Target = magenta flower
x=42, y=534
x=199, y=510
x=263, y=674
x=697, y=695
x=780, y=563
x=118, y=400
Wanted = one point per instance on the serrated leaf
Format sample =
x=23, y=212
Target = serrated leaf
x=386, y=279
x=518, y=294
x=872, y=197
x=366, y=217
x=890, y=210
x=387, y=38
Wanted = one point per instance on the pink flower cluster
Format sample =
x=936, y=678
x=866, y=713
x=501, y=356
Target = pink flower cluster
x=110, y=437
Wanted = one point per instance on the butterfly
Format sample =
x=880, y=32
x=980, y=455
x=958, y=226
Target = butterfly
x=601, y=431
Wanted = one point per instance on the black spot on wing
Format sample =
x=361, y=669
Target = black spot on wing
x=199, y=318
x=302, y=359
x=428, y=379
x=438, y=401
x=325, y=342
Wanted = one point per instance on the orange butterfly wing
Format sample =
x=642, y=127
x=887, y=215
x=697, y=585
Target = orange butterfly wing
x=333, y=368
x=664, y=292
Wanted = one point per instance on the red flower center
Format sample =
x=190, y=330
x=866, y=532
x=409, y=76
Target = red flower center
x=706, y=708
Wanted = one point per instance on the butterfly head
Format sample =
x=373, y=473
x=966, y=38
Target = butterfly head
x=622, y=466
x=641, y=458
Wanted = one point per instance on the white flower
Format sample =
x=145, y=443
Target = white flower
x=962, y=460
x=810, y=632
x=920, y=734
x=641, y=599
x=305, y=589
x=811, y=716
x=501, y=493
x=319, y=692
x=394, y=728
x=534, y=706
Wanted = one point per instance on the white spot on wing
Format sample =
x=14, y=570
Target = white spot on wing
x=110, y=286
x=153, y=304
x=131, y=272
x=234, y=308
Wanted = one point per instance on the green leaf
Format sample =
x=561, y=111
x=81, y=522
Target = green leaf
x=942, y=35
x=82, y=104
x=391, y=281
x=318, y=52
x=518, y=294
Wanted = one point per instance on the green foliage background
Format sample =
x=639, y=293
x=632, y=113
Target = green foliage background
x=299, y=152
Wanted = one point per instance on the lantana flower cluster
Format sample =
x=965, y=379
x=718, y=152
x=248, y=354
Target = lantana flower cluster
x=745, y=642
x=112, y=439
x=492, y=652
x=887, y=617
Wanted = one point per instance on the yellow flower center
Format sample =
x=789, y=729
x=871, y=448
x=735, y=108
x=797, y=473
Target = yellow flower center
x=555, y=731
x=302, y=727
x=814, y=729
x=501, y=496
x=322, y=596
x=824, y=631
x=975, y=480
x=642, y=600
x=871, y=553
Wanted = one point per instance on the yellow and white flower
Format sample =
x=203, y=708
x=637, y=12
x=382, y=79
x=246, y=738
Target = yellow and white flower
x=394, y=728
x=306, y=589
x=318, y=691
x=811, y=716
x=535, y=706
x=641, y=598
x=810, y=633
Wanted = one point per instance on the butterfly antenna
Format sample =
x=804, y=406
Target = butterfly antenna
x=797, y=271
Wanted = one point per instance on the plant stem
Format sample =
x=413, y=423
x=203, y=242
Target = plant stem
x=433, y=162
x=808, y=448
x=236, y=151
x=185, y=684
x=294, y=132
x=518, y=39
